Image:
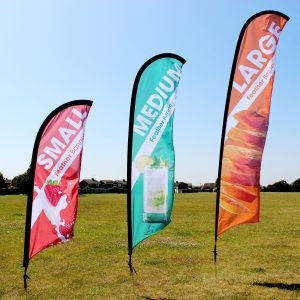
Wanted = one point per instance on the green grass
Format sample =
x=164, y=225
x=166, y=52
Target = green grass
x=255, y=261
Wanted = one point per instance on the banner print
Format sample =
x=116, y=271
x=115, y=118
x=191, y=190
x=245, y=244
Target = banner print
x=55, y=172
x=246, y=121
x=151, y=158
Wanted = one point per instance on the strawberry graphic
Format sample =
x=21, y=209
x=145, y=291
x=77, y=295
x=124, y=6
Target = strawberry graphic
x=67, y=229
x=53, y=192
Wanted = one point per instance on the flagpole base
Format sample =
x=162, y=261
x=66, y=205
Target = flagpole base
x=215, y=253
x=131, y=268
x=25, y=277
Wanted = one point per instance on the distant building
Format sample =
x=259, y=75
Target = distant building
x=8, y=183
x=93, y=186
x=120, y=184
x=92, y=183
x=181, y=187
x=208, y=187
x=106, y=183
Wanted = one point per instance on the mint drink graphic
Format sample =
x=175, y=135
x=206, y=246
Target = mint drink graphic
x=157, y=199
x=156, y=192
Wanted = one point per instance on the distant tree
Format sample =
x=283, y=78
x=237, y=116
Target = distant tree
x=216, y=186
x=183, y=186
x=295, y=186
x=22, y=182
x=279, y=186
x=2, y=181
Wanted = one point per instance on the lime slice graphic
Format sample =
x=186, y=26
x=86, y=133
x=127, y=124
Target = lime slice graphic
x=158, y=199
x=143, y=161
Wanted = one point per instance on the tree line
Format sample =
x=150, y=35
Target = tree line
x=278, y=186
x=21, y=183
x=282, y=186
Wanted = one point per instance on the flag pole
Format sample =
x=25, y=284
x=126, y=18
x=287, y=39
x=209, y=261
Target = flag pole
x=29, y=204
x=234, y=63
x=129, y=171
x=27, y=239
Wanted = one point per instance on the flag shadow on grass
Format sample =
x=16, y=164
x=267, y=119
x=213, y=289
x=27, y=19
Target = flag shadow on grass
x=149, y=298
x=280, y=285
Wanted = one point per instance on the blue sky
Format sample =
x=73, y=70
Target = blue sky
x=56, y=51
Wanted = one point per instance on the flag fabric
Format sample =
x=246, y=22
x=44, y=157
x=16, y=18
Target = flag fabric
x=246, y=120
x=54, y=178
x=151, y=160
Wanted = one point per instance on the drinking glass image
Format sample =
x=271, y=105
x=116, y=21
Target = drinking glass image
x=155, y=194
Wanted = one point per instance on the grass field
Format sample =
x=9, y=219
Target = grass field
x=255, y=261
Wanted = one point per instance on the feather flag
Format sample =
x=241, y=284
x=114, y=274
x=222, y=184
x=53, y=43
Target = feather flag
x=151, y=159
x=54, y=179
x=246, y=120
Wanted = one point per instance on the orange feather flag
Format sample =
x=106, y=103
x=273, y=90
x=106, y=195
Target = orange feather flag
x=246, y=120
